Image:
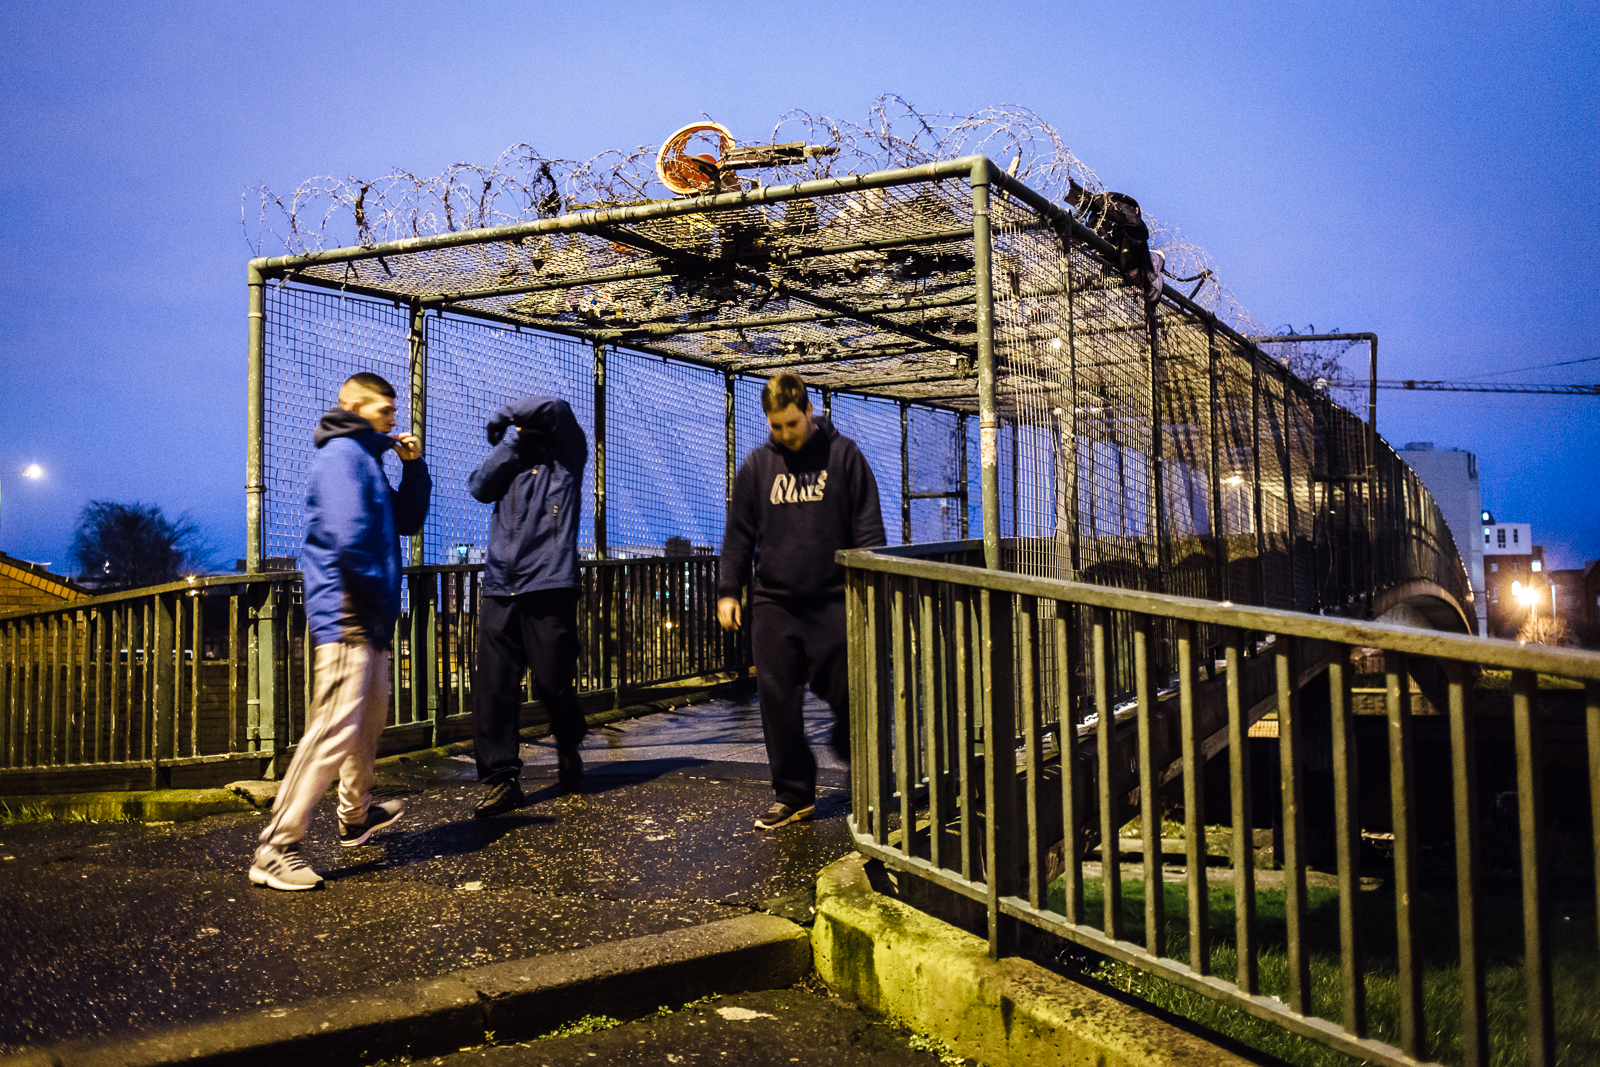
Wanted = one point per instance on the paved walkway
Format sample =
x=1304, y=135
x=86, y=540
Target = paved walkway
x=117, y=926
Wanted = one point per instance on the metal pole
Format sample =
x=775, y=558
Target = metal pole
x=827, y=403
x=419, y=404
x=988, y=422
x=905, y=473
x=255, y=422
x=600, y=538
x=961, y=467
x=1218, y=532
x=1158, y=481
x=731, y=458
x=1372, y=470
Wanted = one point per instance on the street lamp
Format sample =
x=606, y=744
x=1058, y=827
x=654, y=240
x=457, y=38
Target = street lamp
x=33, y=472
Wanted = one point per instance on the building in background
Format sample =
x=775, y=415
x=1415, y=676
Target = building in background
x=27, y=586
x=1516, y=584
x=1451, y=475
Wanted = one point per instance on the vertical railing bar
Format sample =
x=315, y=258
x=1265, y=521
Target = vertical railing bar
x=8, y=699
x=875, y=719
x=1403, y=817
x=902, y=723
x=931, y=727
x=1591, y=699
x=1032, y=737
x=999, y=766
x=1347, y=838
x=116, y=686
x=69, y=684
x=1155, y=896
x=58, y=704
x=233, y=672
x=858, y=653
x=1244, y=860
x=197, y=653
x=1464, y=776
x=1294, y=863
x=1071, y=839
x=1194, y=798
x=962, y=709
x=1110, y=870
x=149, y=635
x=85, y=672
x=1530, y=829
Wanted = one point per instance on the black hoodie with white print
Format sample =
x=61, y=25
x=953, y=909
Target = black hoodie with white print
x=792, y=511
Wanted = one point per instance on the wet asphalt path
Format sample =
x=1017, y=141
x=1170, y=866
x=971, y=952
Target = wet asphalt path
x=111, y=927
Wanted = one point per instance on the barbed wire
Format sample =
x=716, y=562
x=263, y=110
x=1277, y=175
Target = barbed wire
x=523, y=185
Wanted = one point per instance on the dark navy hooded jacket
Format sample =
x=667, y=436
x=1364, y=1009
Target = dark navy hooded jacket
x=534, y=479
x=354, y=521
x=792, y=511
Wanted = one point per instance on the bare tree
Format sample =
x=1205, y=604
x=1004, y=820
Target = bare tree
x=124, y=546
x=1544, y=630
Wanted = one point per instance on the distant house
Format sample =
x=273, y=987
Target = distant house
x=25, y=586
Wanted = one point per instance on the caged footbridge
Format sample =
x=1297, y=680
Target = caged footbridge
x=1125, y=540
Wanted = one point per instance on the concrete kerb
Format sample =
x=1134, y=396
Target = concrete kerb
x=514, y=1001
x=181, y=805
x=937, y=979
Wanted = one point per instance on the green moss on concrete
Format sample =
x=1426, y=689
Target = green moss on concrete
x=939, y=980
x=154, y=805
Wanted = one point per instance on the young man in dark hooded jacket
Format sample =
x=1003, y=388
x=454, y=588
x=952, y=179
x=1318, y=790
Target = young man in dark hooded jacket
x=528, y=617
x=351, y=569
x=799, y=498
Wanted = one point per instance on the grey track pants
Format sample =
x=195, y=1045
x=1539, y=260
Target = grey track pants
x=351, y=704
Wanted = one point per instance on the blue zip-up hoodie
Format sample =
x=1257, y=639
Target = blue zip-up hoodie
x=354, y=520
x=534, y=479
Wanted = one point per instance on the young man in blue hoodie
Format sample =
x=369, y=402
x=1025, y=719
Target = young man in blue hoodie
x=528, y=616
x=351, y=577
x=799, y=498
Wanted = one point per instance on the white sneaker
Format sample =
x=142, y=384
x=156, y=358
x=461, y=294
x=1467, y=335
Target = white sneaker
x=282, y=868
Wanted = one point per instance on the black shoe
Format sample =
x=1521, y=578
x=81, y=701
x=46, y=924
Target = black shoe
x=569, y=769
x=781, y=814
x=378, y=816
x=499, y=799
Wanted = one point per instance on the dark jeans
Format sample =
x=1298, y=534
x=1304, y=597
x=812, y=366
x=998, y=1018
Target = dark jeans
x=794, y=644
x=536, y=631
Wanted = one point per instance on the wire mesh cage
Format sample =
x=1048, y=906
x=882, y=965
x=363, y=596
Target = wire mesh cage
x=1137, y=440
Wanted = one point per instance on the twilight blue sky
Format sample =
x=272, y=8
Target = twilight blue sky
x=1429, y=172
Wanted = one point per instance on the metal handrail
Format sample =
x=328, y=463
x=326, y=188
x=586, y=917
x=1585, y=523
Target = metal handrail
x=165, y=676
x=996, y=716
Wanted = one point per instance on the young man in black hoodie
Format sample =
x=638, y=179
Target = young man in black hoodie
x=799, y=498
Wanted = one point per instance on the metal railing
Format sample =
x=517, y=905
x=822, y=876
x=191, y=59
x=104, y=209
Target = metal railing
x=216, y=669
x=967, y=686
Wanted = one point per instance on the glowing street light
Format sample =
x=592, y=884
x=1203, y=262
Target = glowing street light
x=33, y=472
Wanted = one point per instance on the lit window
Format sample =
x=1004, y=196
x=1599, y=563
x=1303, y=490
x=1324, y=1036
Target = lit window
x=1516, y=588
x=1495, y=567
x=1537, y=566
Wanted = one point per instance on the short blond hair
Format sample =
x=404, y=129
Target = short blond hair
x=785, y=389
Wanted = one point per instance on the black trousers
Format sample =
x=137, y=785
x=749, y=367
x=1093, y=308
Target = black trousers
x=531, y=631
x=794, y=644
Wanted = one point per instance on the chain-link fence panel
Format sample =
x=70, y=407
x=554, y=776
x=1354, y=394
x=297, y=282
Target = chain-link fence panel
x=475, y=367
x=315, y=340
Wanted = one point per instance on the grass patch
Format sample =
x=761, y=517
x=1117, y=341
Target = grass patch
x=589, y=1024
x=1575, y=970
